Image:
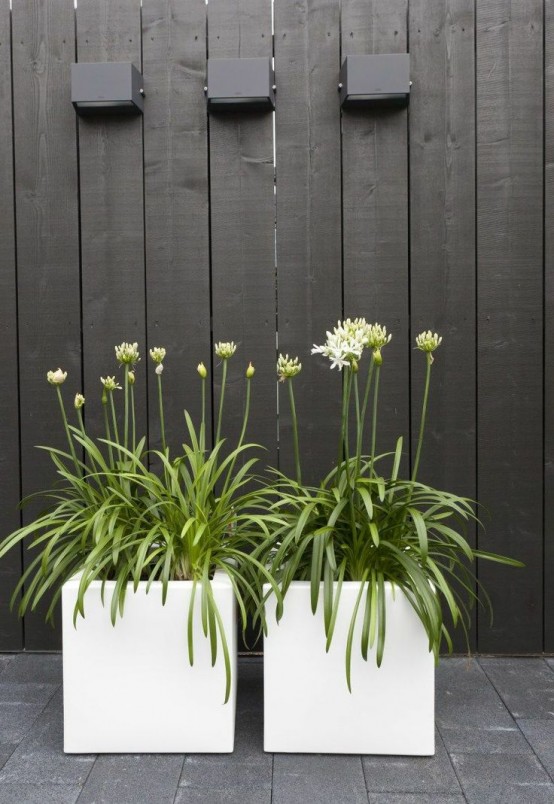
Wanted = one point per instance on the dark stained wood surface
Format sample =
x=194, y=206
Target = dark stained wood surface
x=509, y=315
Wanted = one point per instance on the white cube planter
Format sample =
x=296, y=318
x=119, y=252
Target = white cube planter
x=307, y=705
x=129, y=688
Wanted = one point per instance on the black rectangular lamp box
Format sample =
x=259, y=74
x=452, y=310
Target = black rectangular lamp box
x=377, y=79
x=106, y=88
x=234, y=84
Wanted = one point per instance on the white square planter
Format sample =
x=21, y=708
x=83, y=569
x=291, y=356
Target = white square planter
x=307, y=705
x=129, y=688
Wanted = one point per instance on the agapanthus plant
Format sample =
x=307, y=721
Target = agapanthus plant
x=366, y=523
x=124, y=513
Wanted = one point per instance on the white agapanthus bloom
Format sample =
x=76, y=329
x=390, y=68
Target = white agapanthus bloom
x=127, y=353
x=57, y=377
x=377, y=337
x=288, y=367
x=79, y=401
x=225, y=350
x=345, y=344
x=428, y=341
x=110, y=384
x=157, y=354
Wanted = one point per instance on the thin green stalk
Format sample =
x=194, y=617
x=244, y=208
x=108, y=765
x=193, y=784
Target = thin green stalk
x=133, y=418
x=340, y=457
x=358, y=422
x=294, y=433
x=220, y=415
x=359, y=445
x=345, y=425
x=126, y=415
x=107, y=425
x=423, y=416
x=242, y=434
x=374, y=418
x=162, y=419
x=114, y=420
x=203, y=424
x=68, y=434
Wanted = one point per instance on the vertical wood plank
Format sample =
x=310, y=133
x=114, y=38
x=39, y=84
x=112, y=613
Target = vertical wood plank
x=112, y=213
x=11, y=632
x=309, y=254
x=242, y=228
x=510, y=277
x=375, y=211
x=176, y=205
x=442, y=217
x=549, y=328
x=47, y=240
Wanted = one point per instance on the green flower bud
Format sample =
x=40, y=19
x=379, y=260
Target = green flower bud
x=202, y=370
x=377, y=357
x=250, y=371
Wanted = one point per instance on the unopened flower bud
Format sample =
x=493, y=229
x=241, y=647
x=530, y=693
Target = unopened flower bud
x=159, y=369
x=57, y=377
x=202, y=370
x=157, y=354
x=79, y=401
x=377, y=357
x=250, y=371
x=131, y=377
x=354, y=366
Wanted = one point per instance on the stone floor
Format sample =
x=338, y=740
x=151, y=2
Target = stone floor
x=495, y=743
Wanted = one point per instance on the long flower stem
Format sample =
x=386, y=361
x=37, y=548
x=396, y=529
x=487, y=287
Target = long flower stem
x=374, y=418
x=359, y=445
x=340, y=456
x=294, y=433
x=126, y=415
x=114, y=420
x=423, y=416
x=133, y=418
x=107, y=425
x=68, y=434
x=242, y=434
x=221, y=398
x=203, y=424
x=358, y=423
x=162, y=419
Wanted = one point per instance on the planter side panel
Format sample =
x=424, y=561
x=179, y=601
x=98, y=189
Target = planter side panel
x=308, y=707
x=129, y=688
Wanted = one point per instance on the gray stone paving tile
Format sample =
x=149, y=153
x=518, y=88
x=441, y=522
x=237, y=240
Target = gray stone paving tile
x=470, y=714
x=5, y=661
x=15, y=721
x=221, y=772
x=411, y=774
x=415, y=798
x=41, y=668
x=503, y=779
x=231, y=795
x=330, y=779
x=525, y=685
x=550, y=662
x=38, y=794
x=39, y=757
x=131, y=778
x=540, y=734
x=26, y=692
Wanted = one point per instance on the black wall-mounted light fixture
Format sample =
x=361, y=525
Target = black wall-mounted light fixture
x=382, y=79
x=234, y=84
x=106, y=88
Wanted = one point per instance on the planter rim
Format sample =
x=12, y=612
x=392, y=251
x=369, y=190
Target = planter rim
x=219, y=581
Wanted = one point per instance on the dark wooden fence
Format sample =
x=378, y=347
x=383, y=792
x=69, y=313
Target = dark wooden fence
x=161, y=229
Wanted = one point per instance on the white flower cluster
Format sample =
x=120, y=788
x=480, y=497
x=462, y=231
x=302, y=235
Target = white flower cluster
x=225, y=350
x=127, y=353
x=288, y=367
x=110, y=384
x=157, y=354
x=428, y=341
x=57, y=377
x=344, y=346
